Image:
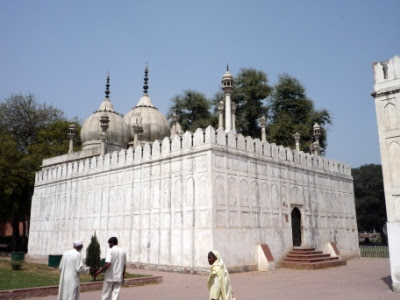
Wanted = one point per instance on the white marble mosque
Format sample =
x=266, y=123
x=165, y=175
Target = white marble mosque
x=172, y=196
x=387, y=103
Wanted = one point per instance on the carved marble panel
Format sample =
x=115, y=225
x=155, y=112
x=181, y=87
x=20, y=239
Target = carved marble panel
x=155, y=199
x=244, y=193
x=200, y=162
x=275, y=198
x=166, y=194
x=233, y=219
x=146, y=196
x=220, y=190
x=202, y=191
x=232, y=192
x=190, y=183
x=245, y=219
x=221, y=218
x=255, y=194
x=176, y=193
x=177, y=219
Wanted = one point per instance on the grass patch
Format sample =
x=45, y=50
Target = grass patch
x=36, y=275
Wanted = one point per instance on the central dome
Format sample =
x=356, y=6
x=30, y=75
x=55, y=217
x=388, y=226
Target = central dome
x=155, y=125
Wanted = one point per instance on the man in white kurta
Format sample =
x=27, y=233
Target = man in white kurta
x=71, y=267
x=115, y=274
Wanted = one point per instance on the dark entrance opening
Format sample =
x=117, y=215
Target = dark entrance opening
x=296, y=227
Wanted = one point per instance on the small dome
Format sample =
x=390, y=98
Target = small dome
x=117, y=132
x=155, y=125
x=227, y=75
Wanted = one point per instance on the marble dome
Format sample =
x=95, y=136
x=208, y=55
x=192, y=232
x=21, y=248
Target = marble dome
x=154, y=123
x=117, y=132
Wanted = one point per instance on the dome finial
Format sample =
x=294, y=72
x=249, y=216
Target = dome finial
x=227, y=67
x=146, y=79
x=107, y=91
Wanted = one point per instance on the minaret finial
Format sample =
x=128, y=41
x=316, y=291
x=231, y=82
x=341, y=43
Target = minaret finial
x=108, y=86
x=227, y=67
x=146, y=79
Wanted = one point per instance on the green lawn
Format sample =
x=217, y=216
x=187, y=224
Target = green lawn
x=35, y=275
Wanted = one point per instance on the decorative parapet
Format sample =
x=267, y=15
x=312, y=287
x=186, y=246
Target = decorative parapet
x=185, y=144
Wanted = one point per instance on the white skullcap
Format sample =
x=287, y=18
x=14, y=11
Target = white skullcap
x=78, y=243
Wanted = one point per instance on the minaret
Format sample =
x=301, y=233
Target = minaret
x=71, y=135
x=263, y=122
x=387, y=103
x=221, y=114
x=227, y=87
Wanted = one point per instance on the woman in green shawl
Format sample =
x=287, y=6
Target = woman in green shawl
x=219, y=283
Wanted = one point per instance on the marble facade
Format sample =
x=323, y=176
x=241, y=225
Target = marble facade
x=387, y=102
x=172, y=201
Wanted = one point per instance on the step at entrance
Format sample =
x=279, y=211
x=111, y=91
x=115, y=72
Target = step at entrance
x=309, y=258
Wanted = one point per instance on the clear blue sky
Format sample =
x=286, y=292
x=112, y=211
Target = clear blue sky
x=61, y=51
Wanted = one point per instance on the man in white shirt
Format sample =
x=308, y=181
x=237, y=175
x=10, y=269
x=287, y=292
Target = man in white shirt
x=71, y=267
x=115, y=274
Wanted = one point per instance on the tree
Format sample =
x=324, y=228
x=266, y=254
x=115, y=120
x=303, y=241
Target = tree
x=291, y=111
x=31, y=132
x=22, y=117
x=370, y=199
x=250, y=92
x=193, y=109
x=13, y=184
x=93, y=256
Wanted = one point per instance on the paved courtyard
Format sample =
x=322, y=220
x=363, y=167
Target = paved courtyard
x=360, y=279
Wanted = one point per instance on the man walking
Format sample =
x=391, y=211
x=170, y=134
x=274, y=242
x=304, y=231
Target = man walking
x=115, y=274
x=71, y=267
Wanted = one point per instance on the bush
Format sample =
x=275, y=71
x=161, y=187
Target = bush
x=93, y=256
x=16, y=265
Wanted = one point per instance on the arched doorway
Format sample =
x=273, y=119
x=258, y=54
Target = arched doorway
x=296, y=227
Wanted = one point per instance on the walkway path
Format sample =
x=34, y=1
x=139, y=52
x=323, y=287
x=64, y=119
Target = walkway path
x=360, y=279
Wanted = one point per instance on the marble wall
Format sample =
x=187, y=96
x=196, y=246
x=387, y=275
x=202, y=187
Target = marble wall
x=387, y=103
x=171, y=202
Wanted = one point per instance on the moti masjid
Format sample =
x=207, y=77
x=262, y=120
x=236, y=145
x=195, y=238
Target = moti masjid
x=172, y=196
x=387, y=103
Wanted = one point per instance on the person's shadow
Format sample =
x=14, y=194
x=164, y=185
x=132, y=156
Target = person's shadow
x=388, y=281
